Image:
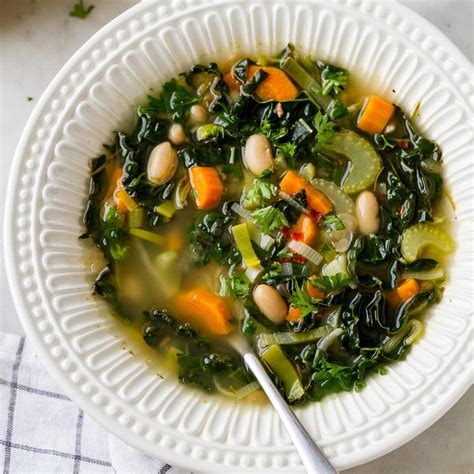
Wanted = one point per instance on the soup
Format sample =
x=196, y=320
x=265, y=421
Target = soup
x=266, y=199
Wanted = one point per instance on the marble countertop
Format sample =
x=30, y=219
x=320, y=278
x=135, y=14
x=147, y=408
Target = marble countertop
x=38, y=36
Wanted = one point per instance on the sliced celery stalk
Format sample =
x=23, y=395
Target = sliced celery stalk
x=420, y=236
x=290, y=337
x=129, y=202
x=277, y=362
x=148, y=236
x=365, y=161
x=136, y=217
x=244, y=244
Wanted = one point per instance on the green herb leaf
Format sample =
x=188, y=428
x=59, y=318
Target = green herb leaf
x=236, y=286
x=80, y=11
x=287, y=150
x=114, y=236
x=332, y=222
x=262, y=192
x=269, y=218
x=331, y=284
x=301, y=299
x=324, y=131
x=333, y=79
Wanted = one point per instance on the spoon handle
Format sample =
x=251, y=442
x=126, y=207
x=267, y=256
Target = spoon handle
x=313, y=459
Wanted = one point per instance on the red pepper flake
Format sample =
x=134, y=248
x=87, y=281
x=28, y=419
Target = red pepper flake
x=403, y=144
x=315, y=215
x=297, y=235
x=298, y=259
x=284, y=260
x=286, y=231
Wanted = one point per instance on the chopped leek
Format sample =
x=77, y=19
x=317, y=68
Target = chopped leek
x=264, y=241
x=181, y=194
x=305, y=251
x=148, y=236
x=325, y=342
x=365, y=161
x=166, y=209
x=432, y=274
x=278, y=363
x=420, y=236
x=284, y=338
x=238, y=394
x=338, y=265
x=244, y=244
x=239, y=210
x=408, y=334
x=136, y=217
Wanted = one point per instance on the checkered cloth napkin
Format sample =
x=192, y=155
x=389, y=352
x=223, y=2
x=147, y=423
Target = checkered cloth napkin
x=42, y=430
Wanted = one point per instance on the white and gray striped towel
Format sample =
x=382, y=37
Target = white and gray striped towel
x=42, y=430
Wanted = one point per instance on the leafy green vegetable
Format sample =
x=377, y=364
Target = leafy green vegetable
x=324, y=131
x=261, y=193
x=174, y=99
x=333, y=79
x=236, y=286
x=331, y=284
x=269, y=218
x=301, y=299
x=332, y=222
x=81, y=11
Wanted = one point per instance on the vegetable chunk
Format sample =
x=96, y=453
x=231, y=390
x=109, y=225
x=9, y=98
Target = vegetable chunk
x=376, y=114
x=277, y=86
x=207, y=186
x=205, y=311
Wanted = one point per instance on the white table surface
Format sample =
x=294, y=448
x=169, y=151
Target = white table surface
x=36, y=39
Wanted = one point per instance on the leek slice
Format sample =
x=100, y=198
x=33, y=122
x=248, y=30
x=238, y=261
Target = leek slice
x=432, y=274
x=239, y=394
x=264, y=241
x=129, y=202
x=365, y=161
x=409, y=333
x=306, y=251
x=338, y=265
x=277, y=362
x=420, y=236
x=244, y=244
x=284, y=338
x=148, y=236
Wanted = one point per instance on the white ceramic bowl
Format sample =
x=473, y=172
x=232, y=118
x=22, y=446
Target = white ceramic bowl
x=397, y=54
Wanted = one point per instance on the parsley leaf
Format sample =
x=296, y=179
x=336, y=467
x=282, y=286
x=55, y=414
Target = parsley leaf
x=80, y=11
x=332, y=222
x=174, y=99
x=236, y=286
x=273, y=134
x=287, y=150
x=301, y=299
x=269, y=218
x=262, y=192
x=330, y=284
x=324, y=131
x=333, y=79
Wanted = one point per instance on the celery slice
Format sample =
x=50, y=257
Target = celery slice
x=420, y=236
x=276, y=360
x=136, y=217
x=290, y=337
x=342, y=203
x=148, y=236
x=244, y=245
x=365, y=161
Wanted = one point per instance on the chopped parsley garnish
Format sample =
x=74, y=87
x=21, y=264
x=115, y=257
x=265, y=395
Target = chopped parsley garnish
x=236, y=286
x=262, y=192
x=81, y=11
x=269, y=218
x=324, y=131
x=330, y=284
x=332, y=222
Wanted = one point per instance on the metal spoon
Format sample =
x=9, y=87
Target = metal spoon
x=312, y=457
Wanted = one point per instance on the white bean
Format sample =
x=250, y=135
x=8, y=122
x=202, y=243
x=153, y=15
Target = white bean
x=162, y=163
x=270, y=303
x=197, y=114
x=258, y=154
x=176, y=134
x=367, y=213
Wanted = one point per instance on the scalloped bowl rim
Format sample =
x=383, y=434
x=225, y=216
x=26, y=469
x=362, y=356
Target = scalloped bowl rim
x=407, y=433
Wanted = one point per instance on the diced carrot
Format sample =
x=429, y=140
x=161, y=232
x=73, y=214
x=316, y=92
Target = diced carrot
x=294, y=314
x=204, y=310
x=207, y=186
x=277, y=86
x=293, y=183
x=312, y=291
x=307, y=228
x=404, y=291
x=376, y=114
x=115, y=185
x=231, y=81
